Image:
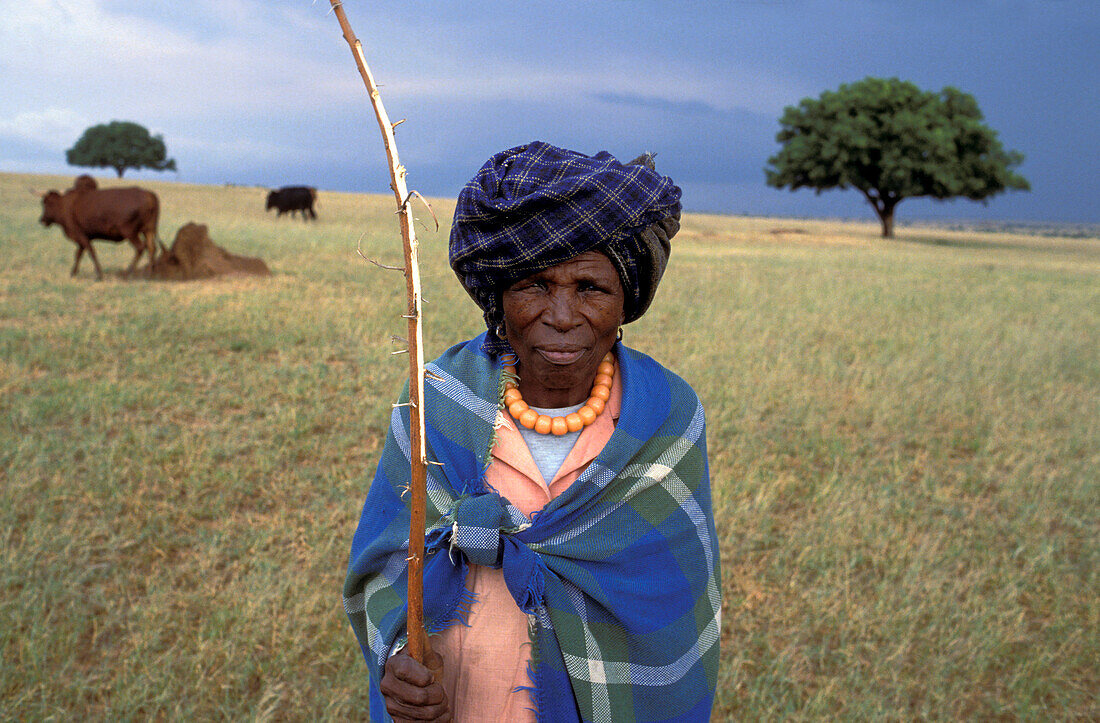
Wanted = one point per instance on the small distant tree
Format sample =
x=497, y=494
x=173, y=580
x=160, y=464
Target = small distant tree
x=120, y=145
x=892, y=141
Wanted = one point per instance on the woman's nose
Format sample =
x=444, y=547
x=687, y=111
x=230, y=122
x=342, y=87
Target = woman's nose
x=561, y=312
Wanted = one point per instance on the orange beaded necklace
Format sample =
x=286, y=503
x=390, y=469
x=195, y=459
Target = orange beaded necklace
x=575, y=422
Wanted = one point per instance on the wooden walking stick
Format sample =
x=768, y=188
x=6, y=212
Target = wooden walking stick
x=418, y=646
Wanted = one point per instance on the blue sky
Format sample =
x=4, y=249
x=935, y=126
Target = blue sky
x=266, y=93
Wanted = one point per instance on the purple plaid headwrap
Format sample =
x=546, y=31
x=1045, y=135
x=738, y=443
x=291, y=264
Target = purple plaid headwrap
x=537, y=205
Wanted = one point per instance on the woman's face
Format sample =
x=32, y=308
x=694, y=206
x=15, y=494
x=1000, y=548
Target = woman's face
x=561, y=322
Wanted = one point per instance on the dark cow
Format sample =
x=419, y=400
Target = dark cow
x=293, y=198
x=86, y=212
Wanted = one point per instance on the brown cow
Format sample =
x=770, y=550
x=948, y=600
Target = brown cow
x=85, y=212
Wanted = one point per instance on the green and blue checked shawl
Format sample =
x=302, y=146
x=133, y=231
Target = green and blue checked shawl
x=619, y=575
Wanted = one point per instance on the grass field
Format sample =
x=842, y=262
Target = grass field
x=904, y=441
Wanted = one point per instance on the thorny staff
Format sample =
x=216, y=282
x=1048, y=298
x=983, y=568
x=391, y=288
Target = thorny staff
x=418, y=646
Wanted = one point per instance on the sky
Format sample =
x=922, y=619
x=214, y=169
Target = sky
x=266, y=92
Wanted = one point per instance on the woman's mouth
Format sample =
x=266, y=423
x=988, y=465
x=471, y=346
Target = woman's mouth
x=560, y=357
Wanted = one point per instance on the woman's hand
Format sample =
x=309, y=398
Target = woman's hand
x=412, y=692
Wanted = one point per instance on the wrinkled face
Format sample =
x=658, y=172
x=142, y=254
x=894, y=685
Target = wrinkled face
x=561, y=322
x=51, y=208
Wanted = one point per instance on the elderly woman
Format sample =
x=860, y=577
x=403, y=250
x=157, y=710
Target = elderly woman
x=572, y=566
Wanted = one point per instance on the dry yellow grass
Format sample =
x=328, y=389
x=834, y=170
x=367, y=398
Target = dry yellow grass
x=903, y=441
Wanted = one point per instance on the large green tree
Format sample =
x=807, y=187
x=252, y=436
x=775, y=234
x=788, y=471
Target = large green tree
x=120, y=145
x=892, y=141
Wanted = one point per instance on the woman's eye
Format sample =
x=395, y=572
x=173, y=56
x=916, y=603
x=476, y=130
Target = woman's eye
x=530, y=287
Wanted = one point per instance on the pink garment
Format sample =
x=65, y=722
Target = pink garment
x=484, y=663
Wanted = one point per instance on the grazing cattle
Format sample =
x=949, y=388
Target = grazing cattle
x=291, y=199
x=86, y=212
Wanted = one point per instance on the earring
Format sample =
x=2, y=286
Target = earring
x=500, y=331
x=619, y=336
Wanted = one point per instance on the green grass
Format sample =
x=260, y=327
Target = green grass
x=903, y=441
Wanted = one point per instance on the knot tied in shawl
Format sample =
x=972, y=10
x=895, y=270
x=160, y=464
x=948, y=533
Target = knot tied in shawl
x=619, y=575
x=476, y=524
x=537, y=205
x=482, y=529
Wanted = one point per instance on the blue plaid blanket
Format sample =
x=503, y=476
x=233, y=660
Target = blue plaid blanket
x=619, y=575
